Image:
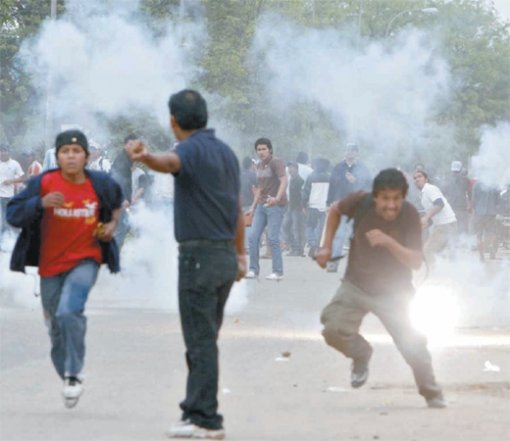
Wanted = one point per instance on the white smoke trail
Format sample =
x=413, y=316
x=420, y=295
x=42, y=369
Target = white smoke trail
x=149, y=267
x=103, y=61
x=383, y=98
x=492, y=164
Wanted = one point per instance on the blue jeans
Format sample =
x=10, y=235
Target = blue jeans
x=294, y=229
x=63, y=299
x=315, y=224
x=207, y=271
x=4, y=226
x=272, y=217
x=122, y=229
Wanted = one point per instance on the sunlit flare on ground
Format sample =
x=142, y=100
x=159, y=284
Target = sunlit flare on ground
x=435, y=313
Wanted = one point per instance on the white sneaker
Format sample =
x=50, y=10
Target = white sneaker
x=275, y=276
x=251, y=275
x=185, y=429
x=72, y=391
x=331, y=267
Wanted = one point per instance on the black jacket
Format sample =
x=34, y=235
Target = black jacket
x=25, y=211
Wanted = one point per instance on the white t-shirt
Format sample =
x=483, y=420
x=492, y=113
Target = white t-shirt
x=9, y=169
x=318, y=195
x=135, y=175
x=100, y=164
x=429, y=194
x=304, y=171
x=50, y=160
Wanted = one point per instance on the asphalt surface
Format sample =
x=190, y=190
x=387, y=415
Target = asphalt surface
x=135, y=369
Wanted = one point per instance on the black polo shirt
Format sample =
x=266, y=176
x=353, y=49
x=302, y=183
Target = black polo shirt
x=207, y=189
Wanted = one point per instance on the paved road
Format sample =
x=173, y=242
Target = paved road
x=136, y=371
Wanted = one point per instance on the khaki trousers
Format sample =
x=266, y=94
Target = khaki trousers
x=342, y=319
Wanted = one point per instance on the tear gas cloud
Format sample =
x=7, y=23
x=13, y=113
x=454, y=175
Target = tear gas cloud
x=382, y=98
x=148, y=277
x=492, y=164
x=101, y=61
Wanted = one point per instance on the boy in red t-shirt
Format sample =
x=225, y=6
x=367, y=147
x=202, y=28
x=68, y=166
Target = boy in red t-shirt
x=74, y=213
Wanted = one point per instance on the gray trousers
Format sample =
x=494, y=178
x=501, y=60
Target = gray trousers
x=342, y=319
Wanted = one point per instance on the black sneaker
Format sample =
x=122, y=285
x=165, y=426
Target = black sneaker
x=359, y=371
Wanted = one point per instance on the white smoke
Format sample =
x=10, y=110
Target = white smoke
x=492, y=164
x=100, y=60
x=149, y=274
x=383, y=97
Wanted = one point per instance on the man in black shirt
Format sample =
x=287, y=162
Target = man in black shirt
x=294, y=219
x=210, y=231
x=121, y=171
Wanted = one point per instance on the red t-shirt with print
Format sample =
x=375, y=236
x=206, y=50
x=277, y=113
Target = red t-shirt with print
x=68, y=231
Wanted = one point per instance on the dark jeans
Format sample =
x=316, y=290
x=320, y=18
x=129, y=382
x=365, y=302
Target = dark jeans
x=3, y=210
x=122, y=229
x=314, y=225
x=207, y=271
x=294, y=229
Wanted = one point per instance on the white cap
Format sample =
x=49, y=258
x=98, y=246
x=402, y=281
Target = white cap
x=456, y=166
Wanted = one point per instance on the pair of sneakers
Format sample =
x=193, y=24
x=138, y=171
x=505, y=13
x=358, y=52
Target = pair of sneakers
x=73, y=389
x=273, y=276
x=359, y=376
x=186, y=429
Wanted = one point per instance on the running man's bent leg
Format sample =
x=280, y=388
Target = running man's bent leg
x=342, y=319
x=51, y=288
x=393, y=311
x=72, y=322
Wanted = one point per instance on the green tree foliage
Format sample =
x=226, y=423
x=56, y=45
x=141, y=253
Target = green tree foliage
x=19, y=19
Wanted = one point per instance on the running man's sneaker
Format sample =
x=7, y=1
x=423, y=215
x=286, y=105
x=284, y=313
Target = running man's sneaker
x=186, y=429
x=73, y=389
x=359, y=371
x=251, y=275
x=332, y=267
x=436, y=403
x=275, y=276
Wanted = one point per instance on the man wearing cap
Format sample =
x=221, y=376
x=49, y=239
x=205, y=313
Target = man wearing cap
x=348, y=176
x=10, y=171
x=68, y=217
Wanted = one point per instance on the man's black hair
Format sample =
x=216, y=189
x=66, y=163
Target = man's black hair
x=302, y=158
x=130, y=137
x=189, y=109
x=247, y=163
x=390, y=179
x=264, y=141
x=423, y=172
